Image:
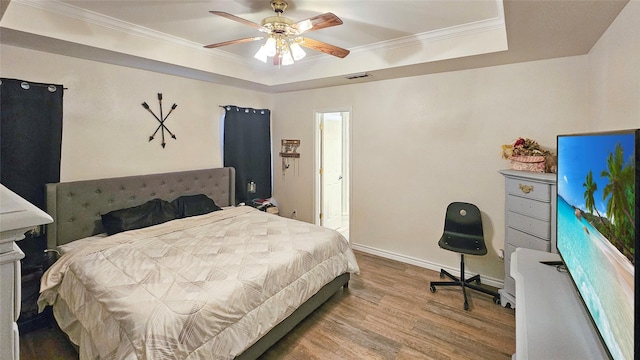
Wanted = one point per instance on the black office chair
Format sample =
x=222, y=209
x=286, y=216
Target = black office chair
x=463, y=234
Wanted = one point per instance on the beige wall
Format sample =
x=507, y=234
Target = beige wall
x=417, y=143
x=105, y=128
x=614, y=74
x=420, y=143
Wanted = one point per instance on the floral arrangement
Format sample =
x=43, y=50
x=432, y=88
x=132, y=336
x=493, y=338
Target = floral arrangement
x=523, y=147
x=526, y=154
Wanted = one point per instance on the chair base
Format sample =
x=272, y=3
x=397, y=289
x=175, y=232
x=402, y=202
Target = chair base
x=464, y=284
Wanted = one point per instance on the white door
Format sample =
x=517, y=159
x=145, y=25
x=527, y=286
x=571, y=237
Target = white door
x=332, y=162
x=331, y=174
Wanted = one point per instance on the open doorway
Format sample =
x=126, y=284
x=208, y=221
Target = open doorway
x=332, y=165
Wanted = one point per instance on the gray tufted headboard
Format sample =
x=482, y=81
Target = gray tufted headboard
x=76, y=207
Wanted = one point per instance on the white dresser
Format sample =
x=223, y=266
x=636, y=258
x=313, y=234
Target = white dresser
x=530, y=220
x=16, y=217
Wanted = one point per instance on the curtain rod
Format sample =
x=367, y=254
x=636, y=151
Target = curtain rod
x=26, y=85
x=240, y=107
x=52, y=88
x=246, y=110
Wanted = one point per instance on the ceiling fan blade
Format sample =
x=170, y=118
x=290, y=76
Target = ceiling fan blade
x=318, y=22
x=240, y=20
x=231, y=42
x=324, y=47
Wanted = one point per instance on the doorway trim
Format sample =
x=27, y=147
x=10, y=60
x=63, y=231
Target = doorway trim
x=318, y=116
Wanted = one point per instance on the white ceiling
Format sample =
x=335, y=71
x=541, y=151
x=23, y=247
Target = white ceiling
x=365, y=22
x=387, y=39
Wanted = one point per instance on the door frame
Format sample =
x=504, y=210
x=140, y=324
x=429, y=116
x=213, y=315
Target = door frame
x=317, y=161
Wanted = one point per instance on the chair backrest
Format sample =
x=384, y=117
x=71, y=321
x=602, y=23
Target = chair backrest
x=463, y=229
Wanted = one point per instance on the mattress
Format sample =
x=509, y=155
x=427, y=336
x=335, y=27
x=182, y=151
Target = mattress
x=208, y=286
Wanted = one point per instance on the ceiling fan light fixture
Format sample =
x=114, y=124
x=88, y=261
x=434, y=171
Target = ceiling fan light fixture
x=261, y=54
x=287, y=59
x=284, y=38
x=270, y=46
x=304, y=25
x=297, y=52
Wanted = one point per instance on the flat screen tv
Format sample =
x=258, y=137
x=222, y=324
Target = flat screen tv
x=597, y=230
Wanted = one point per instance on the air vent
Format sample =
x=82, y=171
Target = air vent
x=357, y=76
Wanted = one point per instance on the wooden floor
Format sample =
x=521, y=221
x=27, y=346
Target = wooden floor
x=386, y=313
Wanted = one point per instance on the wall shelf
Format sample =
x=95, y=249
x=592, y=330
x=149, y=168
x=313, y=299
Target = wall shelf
x=290, y=155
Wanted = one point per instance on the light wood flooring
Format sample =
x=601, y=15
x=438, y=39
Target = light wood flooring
x=386, y=313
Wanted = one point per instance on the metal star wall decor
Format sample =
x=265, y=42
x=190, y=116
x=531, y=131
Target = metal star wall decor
x=162, y=127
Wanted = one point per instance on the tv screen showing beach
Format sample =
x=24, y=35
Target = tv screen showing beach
x=595, y=230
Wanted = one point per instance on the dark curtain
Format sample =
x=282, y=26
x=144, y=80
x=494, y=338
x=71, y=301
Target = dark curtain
x=30, y=137
x=247, y=148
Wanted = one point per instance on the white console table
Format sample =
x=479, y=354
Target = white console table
x=551, y=320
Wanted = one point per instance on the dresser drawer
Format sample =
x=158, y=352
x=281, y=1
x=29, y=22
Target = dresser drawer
x=529, y=225
x=528, y=189
x=534, y=208
x=515, y=239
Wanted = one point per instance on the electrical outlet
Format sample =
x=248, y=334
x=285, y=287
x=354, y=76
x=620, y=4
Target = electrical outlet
x=294, y=214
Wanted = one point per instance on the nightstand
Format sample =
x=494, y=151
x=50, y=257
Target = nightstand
x=260, y=205
x=33, y=265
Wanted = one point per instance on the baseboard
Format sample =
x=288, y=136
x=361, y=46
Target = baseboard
x=498, y=283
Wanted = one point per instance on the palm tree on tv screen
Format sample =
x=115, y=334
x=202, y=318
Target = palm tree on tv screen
x=591, y=188
x=620, y=195
x=620, y=177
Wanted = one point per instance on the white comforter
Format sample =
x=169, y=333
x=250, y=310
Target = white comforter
x=205, y=287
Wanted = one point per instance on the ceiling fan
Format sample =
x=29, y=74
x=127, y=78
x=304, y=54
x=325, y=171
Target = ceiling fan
x=284, y=36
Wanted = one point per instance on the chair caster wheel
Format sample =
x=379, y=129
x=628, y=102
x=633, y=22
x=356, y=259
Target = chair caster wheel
x=441, y=275
x=432, y=288
x=466, y=305
x=496, y=300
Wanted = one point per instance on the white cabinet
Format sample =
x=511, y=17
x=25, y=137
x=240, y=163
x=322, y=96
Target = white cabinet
x=551, y=320
x=530, y=220
x=16, y=217
x=9, y=300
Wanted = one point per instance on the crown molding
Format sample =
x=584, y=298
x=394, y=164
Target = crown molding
x=77, y=13
x=74, y=12
x=435, y=35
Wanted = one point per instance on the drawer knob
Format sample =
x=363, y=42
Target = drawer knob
x=526, y=188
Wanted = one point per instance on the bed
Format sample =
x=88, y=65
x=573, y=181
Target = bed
x=222, y=284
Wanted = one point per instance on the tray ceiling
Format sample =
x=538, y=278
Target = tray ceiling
x=387, y=39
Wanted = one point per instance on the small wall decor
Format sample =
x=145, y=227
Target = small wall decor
x=162, y=127
x=289, y=150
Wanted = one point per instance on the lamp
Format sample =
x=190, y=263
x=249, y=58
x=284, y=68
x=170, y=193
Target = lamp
x=288, y=49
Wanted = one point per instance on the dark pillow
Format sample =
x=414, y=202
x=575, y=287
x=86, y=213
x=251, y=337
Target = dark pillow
x=152, y=212
x=192, y=205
